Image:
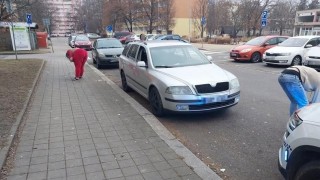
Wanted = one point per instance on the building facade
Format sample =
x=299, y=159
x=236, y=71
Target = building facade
x=63, y=16
x=307, y=22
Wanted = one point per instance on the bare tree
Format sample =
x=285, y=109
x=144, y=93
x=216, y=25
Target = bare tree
x=200, y=10
x=166, y=14
x=149, y=17
x=314, y=4
x=302, y=5
x=282, y=15
x=129, y=11
x=237, y=24
x=7, y=10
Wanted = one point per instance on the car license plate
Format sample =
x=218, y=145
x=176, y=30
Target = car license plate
x=114, y=60
x=270, y=58
x=313, y=63
x=215, y=99
x=233, y=54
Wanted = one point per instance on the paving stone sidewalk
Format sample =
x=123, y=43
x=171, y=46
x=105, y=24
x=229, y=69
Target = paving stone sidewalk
x=85, y=130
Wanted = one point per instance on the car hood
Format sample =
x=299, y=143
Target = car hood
x=310, y=113
x=201, y=74
x=281, y=49
x=242, y=47
x=314, y=51
x=111, y=51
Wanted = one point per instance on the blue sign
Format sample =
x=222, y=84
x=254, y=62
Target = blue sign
x=29, y=19
x=203, y=20
x=264, y=23
x=109, y=28
x=264, y=14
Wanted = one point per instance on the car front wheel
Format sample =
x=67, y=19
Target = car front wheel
x=310, y=171
x=256, y=57
x=296, y=61
x=155, y=102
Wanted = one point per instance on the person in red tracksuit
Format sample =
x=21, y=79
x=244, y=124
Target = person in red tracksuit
x=79, y=57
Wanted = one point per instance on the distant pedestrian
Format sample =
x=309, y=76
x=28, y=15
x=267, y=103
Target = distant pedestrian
x=79, y=57
x=143, y=37
x=296, y=81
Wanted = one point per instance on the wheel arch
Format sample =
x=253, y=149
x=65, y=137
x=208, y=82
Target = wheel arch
x=301, y=156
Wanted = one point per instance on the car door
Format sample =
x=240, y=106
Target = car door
x=130, y=65
x=142, y=73
x=313, y=42
x=269, y=44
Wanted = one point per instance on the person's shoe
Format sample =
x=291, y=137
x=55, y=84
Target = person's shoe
x=76, y=78
x=80, y=77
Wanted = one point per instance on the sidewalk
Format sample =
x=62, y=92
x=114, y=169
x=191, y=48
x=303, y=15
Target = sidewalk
x=90, y=129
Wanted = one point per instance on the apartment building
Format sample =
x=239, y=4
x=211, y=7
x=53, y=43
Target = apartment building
x=182, y=17
x=64, y=12
x=307, y=22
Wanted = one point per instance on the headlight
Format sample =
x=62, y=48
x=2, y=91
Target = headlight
x=101, y=55
x=179, y=90
x=234, y=83
x=245, y=50
x=294, y=121
x=285, y=54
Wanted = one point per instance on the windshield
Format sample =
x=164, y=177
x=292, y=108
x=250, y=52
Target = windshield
x=82, y=38
x=111, y=43
x=177, y=56
x=294, y=42
x=256, y=41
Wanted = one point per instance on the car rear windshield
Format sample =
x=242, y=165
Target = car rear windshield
x=82, y=38
x=294, y=42
x=111, y=43
x=177, y=56
x=256, y=41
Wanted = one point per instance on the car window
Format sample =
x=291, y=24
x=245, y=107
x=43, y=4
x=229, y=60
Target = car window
x=94, y=44
x=272, y=41
x=142, y=55
x=294, y=42
x=125, y=50
x=313, y=42
x=281, y=39
x=176, y=56
x=81, y=38
x=133, y=51
x=176, y=37
x=108, y=43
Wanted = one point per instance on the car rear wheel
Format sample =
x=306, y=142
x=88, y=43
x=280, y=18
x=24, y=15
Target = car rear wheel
x=296, y=61
x=124, y=83
x=255, y=57
x=155, y=102
x=310, y=171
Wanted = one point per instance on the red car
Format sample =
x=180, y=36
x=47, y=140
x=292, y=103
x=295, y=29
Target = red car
x=82, y=41
x=124, y=38
x=254, y=49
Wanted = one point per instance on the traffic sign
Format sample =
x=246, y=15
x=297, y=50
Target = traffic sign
x=203, y=20
x=109, y=28
x=264, y=14
x=264, y=23
x=29, y=19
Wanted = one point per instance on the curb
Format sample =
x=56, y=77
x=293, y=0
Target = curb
x=189, y=158
x=5, y=150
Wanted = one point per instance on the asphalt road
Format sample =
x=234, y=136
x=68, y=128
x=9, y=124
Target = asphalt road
x=242, y=142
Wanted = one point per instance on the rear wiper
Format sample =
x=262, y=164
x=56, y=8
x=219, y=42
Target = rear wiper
x=163, y=66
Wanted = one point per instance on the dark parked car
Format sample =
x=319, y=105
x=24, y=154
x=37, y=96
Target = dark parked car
x=118, y=35
x=82, y=41
x=171, y=37
x=106, y=51
x=71, y=40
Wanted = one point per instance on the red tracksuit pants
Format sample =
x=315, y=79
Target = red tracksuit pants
x=80, y=57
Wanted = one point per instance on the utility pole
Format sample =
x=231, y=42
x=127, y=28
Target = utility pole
x=9, y=10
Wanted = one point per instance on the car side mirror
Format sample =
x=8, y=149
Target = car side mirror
x=266, y=44
x=210, y=58
x=141, y=64
x=308, y=46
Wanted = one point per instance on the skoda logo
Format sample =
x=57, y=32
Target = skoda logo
x=213, y=84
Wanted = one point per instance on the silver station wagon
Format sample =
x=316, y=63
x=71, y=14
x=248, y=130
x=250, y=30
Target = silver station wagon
x=175, y=76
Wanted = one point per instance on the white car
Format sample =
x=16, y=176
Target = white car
x=290, y=51
x=299, y=156
x=313, y=58
x=176, y=76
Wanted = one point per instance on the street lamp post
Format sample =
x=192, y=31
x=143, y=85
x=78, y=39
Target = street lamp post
x=189, y=19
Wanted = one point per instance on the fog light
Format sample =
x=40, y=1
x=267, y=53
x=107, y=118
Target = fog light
x=237, y=99
x=182, y=107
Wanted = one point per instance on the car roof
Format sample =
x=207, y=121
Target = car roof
x=307, y=37
x=107, y=39
x=152, y=44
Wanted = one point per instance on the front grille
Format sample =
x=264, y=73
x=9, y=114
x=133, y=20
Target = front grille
x=273, y=54
x=211, y=105
x=207, y=88
x=272, y=61
x=109, y=56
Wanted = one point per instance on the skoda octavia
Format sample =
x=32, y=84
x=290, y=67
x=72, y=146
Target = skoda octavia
x=176, y=76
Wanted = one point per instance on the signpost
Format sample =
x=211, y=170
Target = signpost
x=29, y=22
x=46, y=23
x=203, y=22
x=109, y=28
x=264, y=17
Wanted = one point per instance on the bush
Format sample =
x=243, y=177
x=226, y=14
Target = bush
x=220, y=40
